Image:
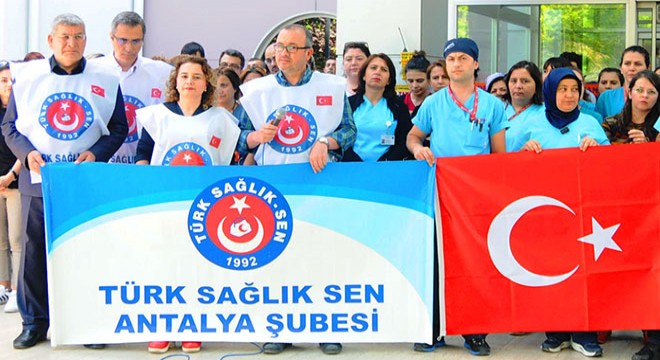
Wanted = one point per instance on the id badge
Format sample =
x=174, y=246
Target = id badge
x=387, y=139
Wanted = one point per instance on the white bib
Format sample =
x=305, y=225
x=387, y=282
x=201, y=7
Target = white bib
x=208, y=138
x=313, y=110
x=64, y=115
x=142, y=85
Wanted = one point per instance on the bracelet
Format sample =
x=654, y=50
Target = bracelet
x=15, y=174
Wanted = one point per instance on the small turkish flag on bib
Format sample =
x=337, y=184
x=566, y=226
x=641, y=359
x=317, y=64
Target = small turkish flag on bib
x=98, y=90
x=324, y=100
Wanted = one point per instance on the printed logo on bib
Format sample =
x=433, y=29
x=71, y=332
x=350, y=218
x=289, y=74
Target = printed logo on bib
x=66, y=116
x=130, y=105
x=187, y=153
x=296, y=133
x=240, y=223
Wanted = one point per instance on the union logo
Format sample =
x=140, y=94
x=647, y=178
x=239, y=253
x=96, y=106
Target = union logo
x=130, y=105
x=66, y=116
x=187, y=154
x=240, y=223
x=296, y=132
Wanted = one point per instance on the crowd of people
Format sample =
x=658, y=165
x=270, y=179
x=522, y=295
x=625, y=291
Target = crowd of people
x=240, y=113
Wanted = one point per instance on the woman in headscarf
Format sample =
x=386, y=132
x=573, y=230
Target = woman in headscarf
x=562, y=125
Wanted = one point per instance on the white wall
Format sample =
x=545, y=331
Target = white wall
x=242, y=25
x=26, y=23
x=377, y=23
x=423, y=24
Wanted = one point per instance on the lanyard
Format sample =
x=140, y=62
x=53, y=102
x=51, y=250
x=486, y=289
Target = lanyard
x=473, y=113
x=519, y=112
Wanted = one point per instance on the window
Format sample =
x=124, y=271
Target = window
x=507, y=34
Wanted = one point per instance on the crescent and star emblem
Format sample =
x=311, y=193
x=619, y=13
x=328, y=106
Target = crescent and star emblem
x=242, y=228
x=284, y=138
x=499, y=241
x=66, y=123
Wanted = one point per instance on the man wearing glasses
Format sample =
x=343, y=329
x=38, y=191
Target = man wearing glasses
x=63, y=109
x=299, y=116
x=232, y=59
x=269, y=58
x=142, y=79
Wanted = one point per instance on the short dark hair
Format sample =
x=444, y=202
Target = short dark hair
x=618, y=72
x=637, y=49
x=556, y=62
x=361, y=45
x=193, y=48
x=235, y=53
x=129, y=18
x=534, y=72
x=573, y=57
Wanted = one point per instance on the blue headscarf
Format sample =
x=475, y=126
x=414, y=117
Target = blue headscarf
x=556, y=117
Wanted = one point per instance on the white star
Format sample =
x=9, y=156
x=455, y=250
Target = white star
x=601, y=238
x=239, y=204
x=65, y=105
x=187, y=158
x=288, y=118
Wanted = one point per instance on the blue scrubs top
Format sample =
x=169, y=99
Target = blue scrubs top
x=551, y=138
x=611, y=102
x=372, y=122
x=452, y=132
x=516, y=125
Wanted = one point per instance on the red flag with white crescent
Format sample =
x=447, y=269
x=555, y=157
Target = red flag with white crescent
x=563, y=240
x=98, y=90
x=324, y=100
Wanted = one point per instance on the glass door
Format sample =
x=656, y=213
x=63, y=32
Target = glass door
x=647, y=30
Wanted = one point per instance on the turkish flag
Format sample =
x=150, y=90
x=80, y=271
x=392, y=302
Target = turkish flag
x=324, y=100
x=215, y=141
x=563, y=240
x=98, y=90
x=156, y=93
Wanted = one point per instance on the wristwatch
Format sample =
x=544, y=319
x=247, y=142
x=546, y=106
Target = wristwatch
x=324, y=140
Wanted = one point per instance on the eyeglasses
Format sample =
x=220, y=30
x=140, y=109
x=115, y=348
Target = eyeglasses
x=649, y=92
x=230, y=65
x=4, y=65
x=76, y=37
x=122, y=41
x=289, y=48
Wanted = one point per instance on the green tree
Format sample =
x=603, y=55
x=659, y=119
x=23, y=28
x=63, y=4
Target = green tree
x=595, y=31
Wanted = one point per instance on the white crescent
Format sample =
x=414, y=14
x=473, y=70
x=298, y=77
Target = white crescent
x=287, y=141
x=131, y=124
x=63, y=127
x=241, y=248
x=499, y=242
